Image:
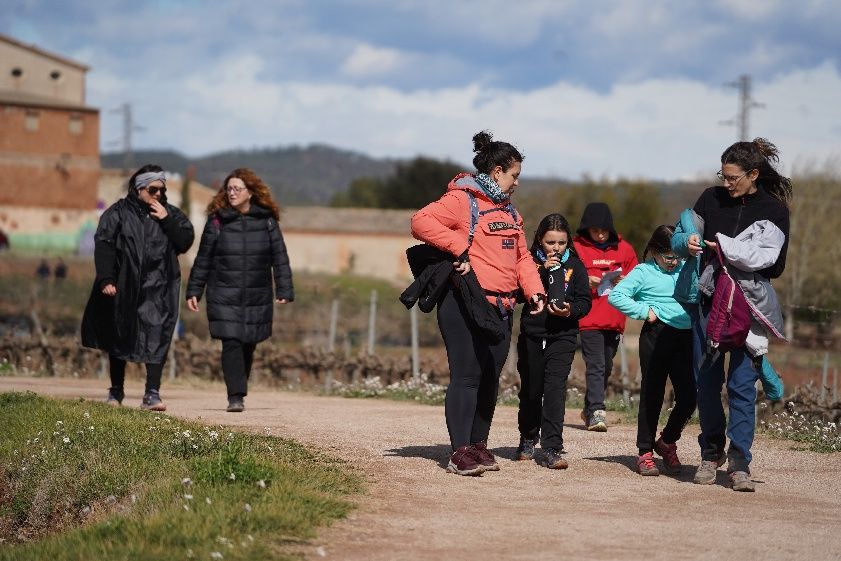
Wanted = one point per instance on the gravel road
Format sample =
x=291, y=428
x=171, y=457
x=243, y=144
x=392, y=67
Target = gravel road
x=599, y=508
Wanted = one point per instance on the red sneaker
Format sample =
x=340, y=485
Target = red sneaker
x=464, y=461
x=646, y=465
x=484, y=456
x=669, y=454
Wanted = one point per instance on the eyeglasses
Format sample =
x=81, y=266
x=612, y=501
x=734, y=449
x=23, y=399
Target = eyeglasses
x=155, y=190
x=730, y=178
x=670, y=258
x=235, y=189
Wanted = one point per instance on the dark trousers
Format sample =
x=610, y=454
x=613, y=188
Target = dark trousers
x=117, y=369
x=665, y=352
x=543, y=387
x=475, y=365
x=237, y=358
x=598, y=347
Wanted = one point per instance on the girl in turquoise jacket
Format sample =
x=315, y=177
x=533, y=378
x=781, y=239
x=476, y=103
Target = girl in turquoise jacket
x=665, y=349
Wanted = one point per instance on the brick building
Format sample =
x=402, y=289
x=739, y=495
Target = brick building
x=49, y=146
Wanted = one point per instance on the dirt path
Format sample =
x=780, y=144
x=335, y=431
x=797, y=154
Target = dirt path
x=597, y=509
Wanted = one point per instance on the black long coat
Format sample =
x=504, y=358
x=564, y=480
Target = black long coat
x=139, y=255
x=237, y=257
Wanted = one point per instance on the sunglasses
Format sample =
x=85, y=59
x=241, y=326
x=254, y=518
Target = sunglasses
x=155, y=190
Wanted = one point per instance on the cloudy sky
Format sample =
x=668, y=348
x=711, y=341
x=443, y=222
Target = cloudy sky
x=620, y=88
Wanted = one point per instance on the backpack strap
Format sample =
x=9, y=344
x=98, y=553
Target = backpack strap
x=475, y=214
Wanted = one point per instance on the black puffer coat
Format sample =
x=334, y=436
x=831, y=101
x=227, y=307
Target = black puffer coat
x=139, y=255
x=236, y=259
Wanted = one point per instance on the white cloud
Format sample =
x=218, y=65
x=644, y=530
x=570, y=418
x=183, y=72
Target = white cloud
x=665, y=128
x=367, y=60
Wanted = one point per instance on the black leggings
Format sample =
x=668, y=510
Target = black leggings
x=237, y=358
x=665, y=352
x=117, y=368
x=475, y=365
x=544, y=367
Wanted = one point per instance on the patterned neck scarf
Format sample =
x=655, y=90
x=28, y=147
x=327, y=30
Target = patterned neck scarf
x=490, y=188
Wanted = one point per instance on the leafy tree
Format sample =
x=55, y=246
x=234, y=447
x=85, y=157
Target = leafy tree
x=413, y=184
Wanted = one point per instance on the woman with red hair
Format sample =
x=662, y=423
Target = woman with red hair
x=241, y=250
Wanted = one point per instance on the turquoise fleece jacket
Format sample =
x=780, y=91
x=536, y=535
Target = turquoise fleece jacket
x=649, y=286
x=689, y=223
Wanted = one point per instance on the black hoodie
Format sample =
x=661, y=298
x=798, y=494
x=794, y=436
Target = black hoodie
x=597, y=215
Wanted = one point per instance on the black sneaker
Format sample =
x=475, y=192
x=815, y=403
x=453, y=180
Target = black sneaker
x=115, y=397
x=235, y=405
x=553, y=460
x=525, y=451
x=152, y=401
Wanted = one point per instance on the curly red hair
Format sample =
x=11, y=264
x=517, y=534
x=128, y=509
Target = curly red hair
x=260, y=193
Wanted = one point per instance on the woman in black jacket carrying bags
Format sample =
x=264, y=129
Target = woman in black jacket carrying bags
x=241, y=250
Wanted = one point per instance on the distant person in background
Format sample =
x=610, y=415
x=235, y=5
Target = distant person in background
x=240, y=253
x=60, y=270
x=43, y=270
x=744, y=224
x=480, y=234
x=665, y=349
x=134, y=302
x=608, y=258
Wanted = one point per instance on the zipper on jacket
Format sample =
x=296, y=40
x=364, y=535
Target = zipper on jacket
x=244, y=271
x=739, y=217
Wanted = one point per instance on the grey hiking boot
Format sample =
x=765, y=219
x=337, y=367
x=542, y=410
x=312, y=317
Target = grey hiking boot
x=525, y=451
x=553, y=459
x=646, y=465
x=236, y=404
x=597, y=421
x=706, y=473
x=152, y=401
x=741, y=481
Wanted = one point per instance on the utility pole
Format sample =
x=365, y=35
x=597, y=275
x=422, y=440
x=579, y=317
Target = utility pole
x=746, y=103
x=129, y=127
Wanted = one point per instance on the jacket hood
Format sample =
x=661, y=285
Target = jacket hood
x=597, y=215
x=467, y=182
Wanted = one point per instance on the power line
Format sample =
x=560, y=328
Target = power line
x=129, y=127
x=746, y=103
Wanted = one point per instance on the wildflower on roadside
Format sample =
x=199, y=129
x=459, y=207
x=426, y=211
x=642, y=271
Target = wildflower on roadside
x=66, y=440
x=207, y=500
x=188, y=497
x=247, y=507
x=216, y=555
x=261, y=484
x=232, y=477
x=186, y=481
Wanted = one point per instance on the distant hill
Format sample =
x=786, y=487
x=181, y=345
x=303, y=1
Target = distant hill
x=297, y=175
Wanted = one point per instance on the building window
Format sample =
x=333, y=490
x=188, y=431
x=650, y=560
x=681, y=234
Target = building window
x=17, y=71
x=32, y=120
x=55, y=75
x=76, y=126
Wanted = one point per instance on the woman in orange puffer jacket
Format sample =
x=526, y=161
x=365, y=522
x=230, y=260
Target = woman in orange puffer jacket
x=476, y=223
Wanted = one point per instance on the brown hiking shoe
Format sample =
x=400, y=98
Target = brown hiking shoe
x=464, y=461
x=485, y=457
x=741, y=481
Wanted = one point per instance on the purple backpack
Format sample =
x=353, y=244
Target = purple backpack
x=729, y=320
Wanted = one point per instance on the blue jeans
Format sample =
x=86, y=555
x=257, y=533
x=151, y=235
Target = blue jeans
x=741, y=397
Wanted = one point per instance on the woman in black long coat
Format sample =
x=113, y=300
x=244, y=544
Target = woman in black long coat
x=241, y=250
x=133, y=306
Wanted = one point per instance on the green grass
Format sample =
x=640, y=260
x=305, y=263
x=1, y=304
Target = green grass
x=82, y=480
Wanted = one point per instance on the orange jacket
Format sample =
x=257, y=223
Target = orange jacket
x=498, y=254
